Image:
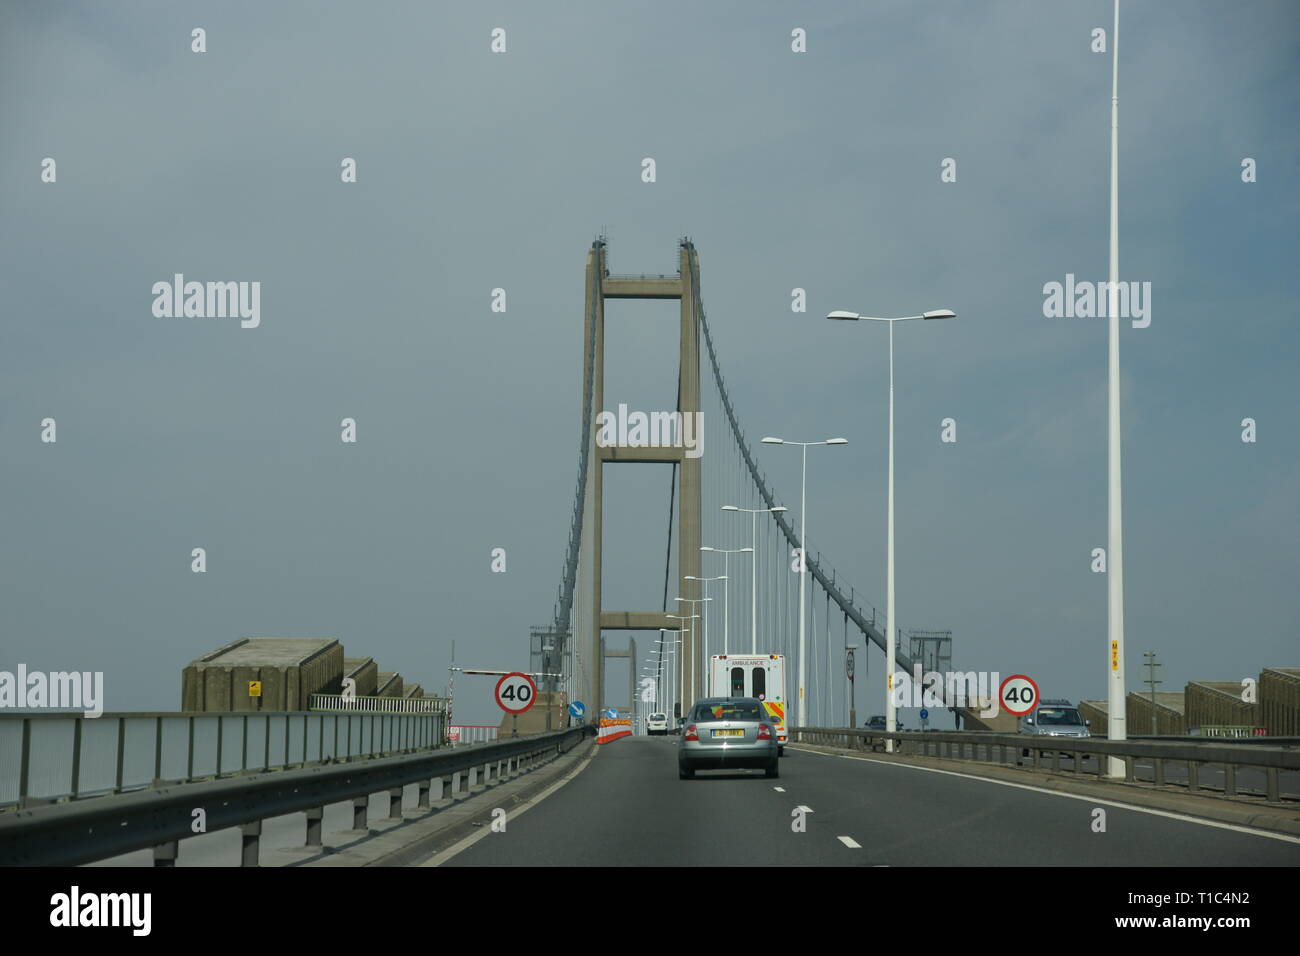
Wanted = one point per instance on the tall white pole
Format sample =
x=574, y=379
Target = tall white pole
x=753, y=583
x=1116, y=728
x=803, y=560
x=726, y=592
x=889, y=562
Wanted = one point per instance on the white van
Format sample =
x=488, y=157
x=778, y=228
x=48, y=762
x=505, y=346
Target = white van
x=752, y=675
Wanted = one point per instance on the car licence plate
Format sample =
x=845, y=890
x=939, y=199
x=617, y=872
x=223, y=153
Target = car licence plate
x=728, y=733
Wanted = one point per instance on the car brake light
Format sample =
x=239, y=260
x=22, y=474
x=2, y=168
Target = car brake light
x=764, y=732
x=691, y=734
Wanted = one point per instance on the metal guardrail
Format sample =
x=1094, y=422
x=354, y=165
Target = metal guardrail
x=70, y=834
x=49, y=757
x=1194, y=754
x=378, y=705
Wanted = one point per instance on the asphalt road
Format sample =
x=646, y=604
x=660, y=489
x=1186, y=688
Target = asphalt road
x=628, y=808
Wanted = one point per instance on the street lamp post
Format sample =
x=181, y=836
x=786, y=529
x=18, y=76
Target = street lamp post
x=848, y=665
x=682, y=663
x=669, y=685
x=704, y=619
x=705, y=582
x=891, y=649
x=803, y=556
x=726, y=591
x=1116, y=723
x=753, y=570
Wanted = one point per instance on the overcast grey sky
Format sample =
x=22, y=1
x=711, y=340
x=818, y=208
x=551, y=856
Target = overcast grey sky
x=817, y=170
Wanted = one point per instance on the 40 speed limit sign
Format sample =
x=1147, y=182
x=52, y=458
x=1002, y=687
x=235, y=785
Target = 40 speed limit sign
x=515, y=693
x=1019, y=694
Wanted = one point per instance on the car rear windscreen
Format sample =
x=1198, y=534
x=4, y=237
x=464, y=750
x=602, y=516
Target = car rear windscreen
x=730, y=710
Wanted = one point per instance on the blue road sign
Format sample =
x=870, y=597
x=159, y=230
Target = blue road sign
x=925, y=715
x=612, y=714
x=577, y=708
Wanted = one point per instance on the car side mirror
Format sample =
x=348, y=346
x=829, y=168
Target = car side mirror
x=1029, y=720
x=1087, y=723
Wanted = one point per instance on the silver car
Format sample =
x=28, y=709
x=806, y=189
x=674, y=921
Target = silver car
x=1053, y=718
x=726, y=733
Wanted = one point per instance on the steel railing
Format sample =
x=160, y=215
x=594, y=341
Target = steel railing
x=50, y=757
x=379, y=705
x=1012, y=749
x=70, y=834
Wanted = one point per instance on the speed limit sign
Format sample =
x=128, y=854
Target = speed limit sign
x=1019, y=694
x=516, y=693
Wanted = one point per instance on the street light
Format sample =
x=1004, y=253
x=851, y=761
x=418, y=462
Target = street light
x=704, y=631
x=889, y=532
x=753, y=570
x=726, y=602
x=669, y=685
x=803, y=554
x=683, y=663
x=705, y=582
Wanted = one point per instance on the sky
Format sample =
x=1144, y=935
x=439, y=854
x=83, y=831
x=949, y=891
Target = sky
x=481, y=170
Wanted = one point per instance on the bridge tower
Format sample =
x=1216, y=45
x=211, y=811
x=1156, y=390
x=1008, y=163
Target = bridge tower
x=600, y=286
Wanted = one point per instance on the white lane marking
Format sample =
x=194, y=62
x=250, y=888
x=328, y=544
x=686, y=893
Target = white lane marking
x=806, y=809
x=1284, y=837
x=779, y=789
x=527, y=805
x=851, y=843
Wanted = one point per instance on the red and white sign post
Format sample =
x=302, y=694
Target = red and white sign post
x=1019, y=695
x=515, y=694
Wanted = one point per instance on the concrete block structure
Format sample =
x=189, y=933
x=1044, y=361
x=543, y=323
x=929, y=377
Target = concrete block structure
x=389, y=684
x=365, y=672
x=1279, y=701
x=1170, y=717
x=533, y=721
x=290, y=670
x=1218, y=703
x=1097, y=713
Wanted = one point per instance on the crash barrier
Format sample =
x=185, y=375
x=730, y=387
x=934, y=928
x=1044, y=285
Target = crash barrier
x=46, y=757
x=1265, y=759
x=83, y=831
x=613, y=729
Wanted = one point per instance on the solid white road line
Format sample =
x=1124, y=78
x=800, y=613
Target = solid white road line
x=1284, y=837
x=528, y=804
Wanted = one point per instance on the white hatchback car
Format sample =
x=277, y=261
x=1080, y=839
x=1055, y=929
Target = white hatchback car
x=656, y=724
